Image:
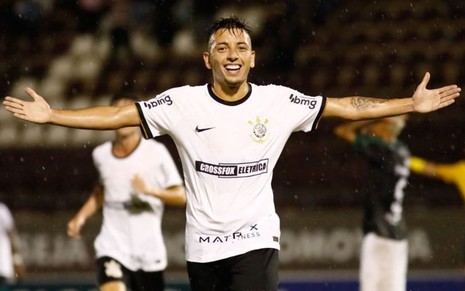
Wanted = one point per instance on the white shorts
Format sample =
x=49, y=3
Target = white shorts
x=383, y=264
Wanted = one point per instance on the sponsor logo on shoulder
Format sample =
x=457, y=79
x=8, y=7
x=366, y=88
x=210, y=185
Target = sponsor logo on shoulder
x=158, y=101
x=310, y=102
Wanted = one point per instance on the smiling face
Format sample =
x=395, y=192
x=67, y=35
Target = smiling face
x=230, y=57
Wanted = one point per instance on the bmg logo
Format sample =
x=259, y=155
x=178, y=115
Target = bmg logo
x=303, y=100
x=158, y=101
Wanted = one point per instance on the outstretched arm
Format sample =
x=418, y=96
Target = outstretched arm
x=423, y=167
x=449, y=173
x=175, y=195
x=101, y=117
x=423, y=100
x=93, y=203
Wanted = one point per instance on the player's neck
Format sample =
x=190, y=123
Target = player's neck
x=124, y=145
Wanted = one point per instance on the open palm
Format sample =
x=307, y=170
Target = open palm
x=426, y=100
x=37, y=111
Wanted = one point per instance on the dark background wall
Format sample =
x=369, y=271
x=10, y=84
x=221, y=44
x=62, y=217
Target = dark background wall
x=74, y=56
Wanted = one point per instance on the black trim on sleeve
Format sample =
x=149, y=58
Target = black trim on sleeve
x=144, y=127
x=320, y=114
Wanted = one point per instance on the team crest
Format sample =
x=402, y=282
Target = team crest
x=259, y=130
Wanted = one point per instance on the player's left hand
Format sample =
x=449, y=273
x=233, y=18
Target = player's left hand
x=427, y=100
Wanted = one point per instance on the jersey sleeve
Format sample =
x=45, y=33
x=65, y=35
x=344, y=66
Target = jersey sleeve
x=305, y=110
x=157, y=113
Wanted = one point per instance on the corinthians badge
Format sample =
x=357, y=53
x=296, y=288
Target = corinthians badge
x=259, y=130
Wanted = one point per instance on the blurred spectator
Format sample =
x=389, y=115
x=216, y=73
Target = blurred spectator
x=90, y=13
x=165, y=25
x=120, y=18
x=322, y=9
x=28, y=16
x=143, y=14
x=203, y=12
x=11, y=262
x=287, y=38
x=6, y=17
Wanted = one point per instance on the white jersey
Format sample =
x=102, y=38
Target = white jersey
x=228, y=152
x=6, y=226
x=131, y=230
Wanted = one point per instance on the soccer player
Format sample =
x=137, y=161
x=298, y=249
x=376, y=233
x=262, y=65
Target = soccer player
x=451, y=173
x=229, y=135
x=384, y=253
x=137, y=177
x=11, y=261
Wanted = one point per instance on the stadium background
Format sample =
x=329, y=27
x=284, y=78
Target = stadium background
x=75, y=53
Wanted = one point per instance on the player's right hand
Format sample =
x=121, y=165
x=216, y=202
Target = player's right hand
x=37, y=111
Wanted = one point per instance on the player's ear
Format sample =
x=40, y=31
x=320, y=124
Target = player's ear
x=206, y=60
x=252, y=59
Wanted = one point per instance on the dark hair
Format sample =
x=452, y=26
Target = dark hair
x=123, y=95
x=228, y=23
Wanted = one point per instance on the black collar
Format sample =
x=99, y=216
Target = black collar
x=229, y=103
